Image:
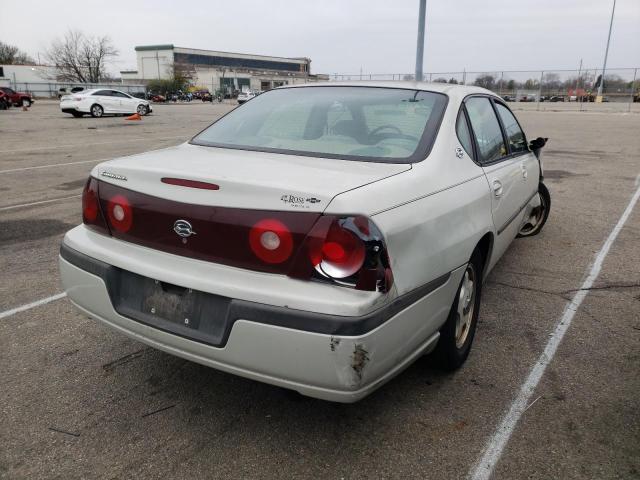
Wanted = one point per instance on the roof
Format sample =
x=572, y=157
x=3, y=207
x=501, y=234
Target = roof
x=170, y=46
x=167, y=46
x=446, y=88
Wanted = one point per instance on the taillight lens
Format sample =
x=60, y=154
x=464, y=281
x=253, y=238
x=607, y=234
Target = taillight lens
x=271, y=241
x=120, y=213
x=349, y=251
x=341, y=255
x=91, y=213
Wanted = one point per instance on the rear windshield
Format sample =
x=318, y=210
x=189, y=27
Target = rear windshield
x=353, y=123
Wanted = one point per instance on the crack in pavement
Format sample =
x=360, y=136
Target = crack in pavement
x=531, y=289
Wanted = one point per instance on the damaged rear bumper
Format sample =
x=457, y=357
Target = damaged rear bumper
x=334, y=358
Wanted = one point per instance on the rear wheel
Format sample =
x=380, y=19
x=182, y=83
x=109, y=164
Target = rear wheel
x=538, y=216
x=96, y=111
x=456, y=335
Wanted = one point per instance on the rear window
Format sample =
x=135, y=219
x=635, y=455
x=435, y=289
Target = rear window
x=352, y=123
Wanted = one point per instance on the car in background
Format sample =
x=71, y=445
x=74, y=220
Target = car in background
x=557, y=98
x=5, y=102
x=18, y=98
x=320, y=238
x=99, y=102
x=157, y=98
x=509, y=98
x=527, y=98
x=246, y=96
x=66, y=91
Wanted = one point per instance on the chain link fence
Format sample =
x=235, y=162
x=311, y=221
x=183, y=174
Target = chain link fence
x=540, y=89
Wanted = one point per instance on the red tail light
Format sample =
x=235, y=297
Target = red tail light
x=349, y=251
x=271, y=241
x=120, y=213
x=91, y=213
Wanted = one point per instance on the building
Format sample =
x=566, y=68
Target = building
x=218, y=70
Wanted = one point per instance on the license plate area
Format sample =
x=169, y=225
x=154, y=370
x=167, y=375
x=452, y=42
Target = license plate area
x=182, y=311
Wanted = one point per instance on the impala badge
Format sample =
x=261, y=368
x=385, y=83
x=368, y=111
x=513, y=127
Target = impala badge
x=183, y=228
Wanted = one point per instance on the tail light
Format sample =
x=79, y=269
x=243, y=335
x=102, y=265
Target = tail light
x=348, y=251
x=271, y=241
x=91, y=212
x=120, y=213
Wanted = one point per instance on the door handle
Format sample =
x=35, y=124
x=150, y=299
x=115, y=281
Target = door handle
x=525, y=173
x=497, y=188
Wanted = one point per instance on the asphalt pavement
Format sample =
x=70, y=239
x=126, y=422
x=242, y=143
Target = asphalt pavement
x=78, y=400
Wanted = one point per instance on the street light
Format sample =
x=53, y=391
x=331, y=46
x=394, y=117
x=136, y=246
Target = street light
x=606, y=53
x=420, y=45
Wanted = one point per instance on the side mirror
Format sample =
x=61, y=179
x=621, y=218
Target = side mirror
x=536, y=145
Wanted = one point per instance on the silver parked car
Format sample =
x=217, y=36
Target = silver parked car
x=320, y=238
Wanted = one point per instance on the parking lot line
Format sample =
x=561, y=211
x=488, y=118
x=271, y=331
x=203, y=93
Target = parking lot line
x=37, y=303
x=11, y=207
x=49, y=147
x=495, y=446
x=22, y=169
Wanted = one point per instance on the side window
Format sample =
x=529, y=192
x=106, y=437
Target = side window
x=103, y=93
x=115, y=93
x=517, y=140
x=464, y=135
x=486, y=129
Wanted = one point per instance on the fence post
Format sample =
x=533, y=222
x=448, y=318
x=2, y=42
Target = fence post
x=464, y=77
x=633, y=87
x=539, y=90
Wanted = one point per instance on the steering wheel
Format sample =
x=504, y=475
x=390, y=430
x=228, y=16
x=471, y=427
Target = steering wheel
x=382, y=127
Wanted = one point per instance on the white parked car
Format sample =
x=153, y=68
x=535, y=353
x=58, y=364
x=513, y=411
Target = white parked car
x=245, y=96
x=320, y=237
x=99, y=102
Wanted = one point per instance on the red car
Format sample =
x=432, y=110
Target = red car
x=18, y=98
x=5, y=102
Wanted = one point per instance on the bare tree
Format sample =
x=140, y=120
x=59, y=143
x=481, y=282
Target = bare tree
x=10, y=55
x=79, y=58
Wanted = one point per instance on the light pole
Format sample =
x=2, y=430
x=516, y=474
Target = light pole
x=606, y=53
x=420, y=45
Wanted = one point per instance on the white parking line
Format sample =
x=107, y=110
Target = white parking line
x=495, y=446
x=54, y=165
x=43, y=301
x=111, y=142
x=11, y=207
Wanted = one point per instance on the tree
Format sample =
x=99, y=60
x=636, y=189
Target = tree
x=453, y=81
x=79, y=58
x=440, y=80
x=10, y=55
x=485, y=81
x=511, y=85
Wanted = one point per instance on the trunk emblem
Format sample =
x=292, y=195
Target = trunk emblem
x=183, y=228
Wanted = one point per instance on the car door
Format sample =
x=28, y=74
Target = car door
x=106, y=101
x=504, y=171
x=125, y=104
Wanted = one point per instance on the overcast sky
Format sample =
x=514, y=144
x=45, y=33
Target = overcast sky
x=342, y=36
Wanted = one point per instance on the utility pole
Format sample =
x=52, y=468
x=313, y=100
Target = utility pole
x=420, y=45
x=606, y=53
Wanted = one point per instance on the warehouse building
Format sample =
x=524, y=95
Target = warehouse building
x=215, y=70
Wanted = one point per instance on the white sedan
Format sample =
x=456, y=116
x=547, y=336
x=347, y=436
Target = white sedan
x=320, y=238
x=99, y=102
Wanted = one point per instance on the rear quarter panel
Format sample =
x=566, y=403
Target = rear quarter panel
x=431, y=216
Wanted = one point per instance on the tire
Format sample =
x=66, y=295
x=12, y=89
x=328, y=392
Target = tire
x=77, y=114
x=539, y=215
x=456, y=337
x=96, y=111
x=142, y=109
x=26, y=102
x=3, y=105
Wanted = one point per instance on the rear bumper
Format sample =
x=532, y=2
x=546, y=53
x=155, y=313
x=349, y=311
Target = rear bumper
x=332, y=366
